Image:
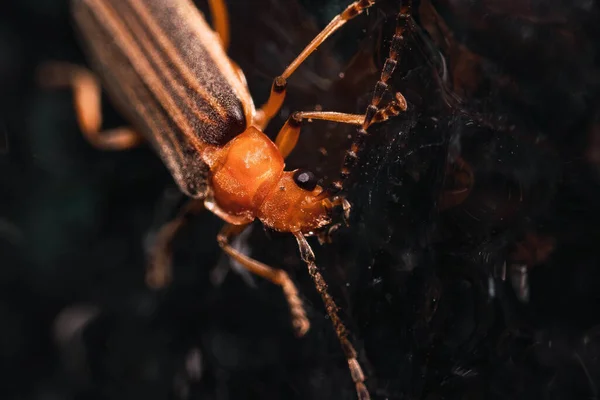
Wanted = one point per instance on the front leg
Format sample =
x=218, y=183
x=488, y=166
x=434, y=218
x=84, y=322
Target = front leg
x=277, y=276
x=278, y=89
x=287, y=138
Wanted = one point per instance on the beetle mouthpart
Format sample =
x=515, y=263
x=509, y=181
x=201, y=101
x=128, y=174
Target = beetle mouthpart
x=346, y=207
x=325, y=235
x=338, y=201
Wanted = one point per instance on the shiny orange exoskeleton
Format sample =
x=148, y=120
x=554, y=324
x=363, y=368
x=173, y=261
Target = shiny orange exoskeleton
x=168, y=73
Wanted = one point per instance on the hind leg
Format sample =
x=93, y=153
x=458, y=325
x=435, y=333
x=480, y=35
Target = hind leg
x=87, y=102
x=158, y=273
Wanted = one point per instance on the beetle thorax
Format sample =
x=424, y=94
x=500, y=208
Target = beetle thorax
x=244, y=172
x=248, y=181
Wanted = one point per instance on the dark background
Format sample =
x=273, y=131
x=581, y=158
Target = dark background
x=505, y=88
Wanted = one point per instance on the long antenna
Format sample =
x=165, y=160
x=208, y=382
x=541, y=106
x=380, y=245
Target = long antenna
x=375, y=113
x=356, y=372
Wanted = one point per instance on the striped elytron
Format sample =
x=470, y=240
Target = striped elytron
x=168, y=73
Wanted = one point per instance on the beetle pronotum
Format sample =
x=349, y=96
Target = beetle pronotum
x=168, y=73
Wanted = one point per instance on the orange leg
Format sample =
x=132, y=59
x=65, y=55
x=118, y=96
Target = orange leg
x=87, y=101
x=340, y=329
x=287, y=138
x=158, y=273
x=278, y=90
x=218, y=11
x=277, y=276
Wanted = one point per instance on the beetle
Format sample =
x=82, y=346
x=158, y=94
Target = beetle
x=168, y=73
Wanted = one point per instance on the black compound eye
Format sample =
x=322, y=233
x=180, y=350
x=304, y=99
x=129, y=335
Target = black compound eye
x=305, y=179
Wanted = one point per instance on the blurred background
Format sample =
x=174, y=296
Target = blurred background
x=470, y=268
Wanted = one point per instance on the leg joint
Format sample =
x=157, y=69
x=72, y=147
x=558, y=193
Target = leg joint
x=223, y=239
x=295, y=120
x=279, y=84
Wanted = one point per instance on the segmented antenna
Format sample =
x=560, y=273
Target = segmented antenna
x=374, y=113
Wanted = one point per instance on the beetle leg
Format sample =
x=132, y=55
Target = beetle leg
x=288, y=135
x=340, y=329
x=277, y=276
x=278, y=89
x=287, y=138
x=158, y=273
x=220, y=17
x=87, y=101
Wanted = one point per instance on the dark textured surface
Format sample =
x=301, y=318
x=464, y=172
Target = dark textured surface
x=420, y=288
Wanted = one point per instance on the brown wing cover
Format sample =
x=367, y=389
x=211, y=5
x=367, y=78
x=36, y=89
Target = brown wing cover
x=159, y=75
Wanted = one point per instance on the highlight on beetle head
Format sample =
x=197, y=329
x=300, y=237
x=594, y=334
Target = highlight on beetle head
x=296, y=204
x=248, y=181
